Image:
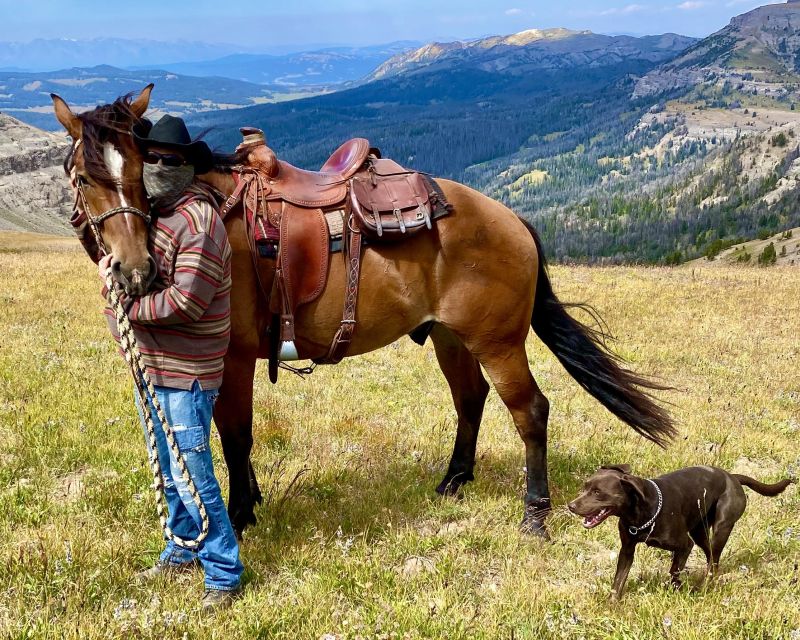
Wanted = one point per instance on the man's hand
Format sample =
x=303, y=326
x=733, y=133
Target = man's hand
x=104, y=267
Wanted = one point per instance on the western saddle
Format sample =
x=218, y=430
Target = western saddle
x=296, y=217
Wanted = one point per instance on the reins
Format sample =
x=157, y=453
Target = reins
x=142, y=382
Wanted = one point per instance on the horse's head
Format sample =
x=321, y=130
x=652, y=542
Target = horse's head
x=105, y=170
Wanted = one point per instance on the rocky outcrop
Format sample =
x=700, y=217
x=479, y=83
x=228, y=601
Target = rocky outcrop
x=34, y=195
x=756, y=50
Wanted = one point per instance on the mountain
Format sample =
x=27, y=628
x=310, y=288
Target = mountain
x=534, y=49
x=328, y=66
x=604, y=174
x=26, y=95
x=759, y=51
x=33, y=189
x=553, y=126
x=47, y=54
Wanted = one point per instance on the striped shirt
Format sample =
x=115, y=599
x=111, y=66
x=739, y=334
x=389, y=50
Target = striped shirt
x=183, y=324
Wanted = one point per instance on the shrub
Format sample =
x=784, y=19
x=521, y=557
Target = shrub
x=768, y=255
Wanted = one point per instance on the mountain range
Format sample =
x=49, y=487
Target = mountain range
x=47, y=54
x=329, y=66
x=657, y=149
x=533, y=49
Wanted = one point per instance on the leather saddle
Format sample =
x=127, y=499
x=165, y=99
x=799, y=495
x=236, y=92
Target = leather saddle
x=289, y=205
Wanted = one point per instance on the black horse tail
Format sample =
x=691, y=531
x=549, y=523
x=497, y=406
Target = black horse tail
x=582, y=352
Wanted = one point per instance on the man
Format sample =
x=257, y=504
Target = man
x=182, y=327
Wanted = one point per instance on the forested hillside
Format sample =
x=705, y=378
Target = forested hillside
x=610, y=161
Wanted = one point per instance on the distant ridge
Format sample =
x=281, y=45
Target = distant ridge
x=535, y=48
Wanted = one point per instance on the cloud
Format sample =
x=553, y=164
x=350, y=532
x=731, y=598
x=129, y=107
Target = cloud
x=690, y=5
x=513, y=12
x=631, y=8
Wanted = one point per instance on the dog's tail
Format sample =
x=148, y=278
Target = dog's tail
x=759, y=487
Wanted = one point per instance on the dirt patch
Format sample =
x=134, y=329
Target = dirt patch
x=69, y=488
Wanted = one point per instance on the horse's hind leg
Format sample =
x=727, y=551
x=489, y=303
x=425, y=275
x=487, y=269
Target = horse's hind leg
x=508, y=369
x=469, y=389
x=233, y=415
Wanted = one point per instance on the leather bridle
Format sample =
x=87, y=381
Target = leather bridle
x=96, y=220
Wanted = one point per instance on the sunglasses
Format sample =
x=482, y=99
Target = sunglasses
x=168, y=159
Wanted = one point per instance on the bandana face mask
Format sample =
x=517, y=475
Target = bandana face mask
x=164, y=183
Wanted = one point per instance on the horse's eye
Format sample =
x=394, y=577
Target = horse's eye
x=83, y=181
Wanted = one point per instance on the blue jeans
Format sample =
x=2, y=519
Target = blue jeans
x=189, y=414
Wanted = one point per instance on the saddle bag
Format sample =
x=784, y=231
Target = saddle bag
x=389, y=202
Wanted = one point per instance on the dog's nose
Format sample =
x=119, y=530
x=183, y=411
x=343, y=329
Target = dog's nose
x=571, y=507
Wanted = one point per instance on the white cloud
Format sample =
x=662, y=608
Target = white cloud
x=513, y=12
x=631, y=8
x=690, y=5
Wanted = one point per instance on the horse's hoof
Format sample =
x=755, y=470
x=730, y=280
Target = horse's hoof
x=450, y=486
x=450, y=489
x=533, y=521
x=534, y=527
x=241, y=521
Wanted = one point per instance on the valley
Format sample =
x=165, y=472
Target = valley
x=655, y=149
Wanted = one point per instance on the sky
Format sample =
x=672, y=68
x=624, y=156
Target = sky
x=267, y=24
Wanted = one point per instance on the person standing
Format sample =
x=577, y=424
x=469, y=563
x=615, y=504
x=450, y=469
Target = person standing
x=182, y=326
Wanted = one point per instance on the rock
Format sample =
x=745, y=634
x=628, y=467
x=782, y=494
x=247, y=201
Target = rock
x=416, y=565
x=34, y=193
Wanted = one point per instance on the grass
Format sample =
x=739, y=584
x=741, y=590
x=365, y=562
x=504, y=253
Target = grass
x=363, y=548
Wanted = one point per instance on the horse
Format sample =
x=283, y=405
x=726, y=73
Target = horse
x=477, y=282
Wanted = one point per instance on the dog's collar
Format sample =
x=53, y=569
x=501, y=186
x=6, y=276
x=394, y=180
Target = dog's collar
x=652, y=521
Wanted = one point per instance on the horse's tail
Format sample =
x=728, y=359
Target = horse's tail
x=761, y=487
x=582, y=352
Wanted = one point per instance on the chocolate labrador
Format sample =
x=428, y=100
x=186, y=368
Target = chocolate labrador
x=696, y=505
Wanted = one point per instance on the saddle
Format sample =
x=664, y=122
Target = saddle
x=298, y=217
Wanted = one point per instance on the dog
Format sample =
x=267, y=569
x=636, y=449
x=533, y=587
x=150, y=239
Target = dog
x=696, y=505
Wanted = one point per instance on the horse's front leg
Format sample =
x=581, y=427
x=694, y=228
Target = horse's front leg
x=233, y=414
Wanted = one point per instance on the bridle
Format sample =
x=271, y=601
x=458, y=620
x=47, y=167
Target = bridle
x=145, y=390
x=81, y=204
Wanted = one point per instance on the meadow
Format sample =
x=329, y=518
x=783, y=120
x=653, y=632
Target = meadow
x=352, y=542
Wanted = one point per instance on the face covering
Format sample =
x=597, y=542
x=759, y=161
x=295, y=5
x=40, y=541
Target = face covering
x=164, y=183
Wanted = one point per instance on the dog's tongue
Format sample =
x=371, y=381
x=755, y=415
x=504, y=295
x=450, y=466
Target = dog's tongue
x=592, y=521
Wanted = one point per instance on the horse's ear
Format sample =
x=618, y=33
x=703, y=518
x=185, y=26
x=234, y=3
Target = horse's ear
x=65, y=116
x=140, y=104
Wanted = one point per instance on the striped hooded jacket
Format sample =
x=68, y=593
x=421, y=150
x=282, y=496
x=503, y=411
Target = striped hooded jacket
x=183, y=324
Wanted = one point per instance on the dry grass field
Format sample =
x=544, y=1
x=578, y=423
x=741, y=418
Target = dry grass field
x=364, y=548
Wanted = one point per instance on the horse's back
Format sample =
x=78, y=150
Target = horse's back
x=475, y=270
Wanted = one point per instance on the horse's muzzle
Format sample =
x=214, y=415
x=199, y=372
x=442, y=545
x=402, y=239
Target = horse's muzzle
x=138, y=280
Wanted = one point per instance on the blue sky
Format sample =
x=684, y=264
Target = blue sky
x=269, y=23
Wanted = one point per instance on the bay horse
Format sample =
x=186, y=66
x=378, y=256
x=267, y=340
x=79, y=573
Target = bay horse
x=478, y=281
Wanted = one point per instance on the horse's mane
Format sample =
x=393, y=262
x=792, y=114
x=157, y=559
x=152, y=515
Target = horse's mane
x=225, y=161
x=106, y=123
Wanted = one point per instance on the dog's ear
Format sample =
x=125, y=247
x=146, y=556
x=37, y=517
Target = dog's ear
x=634, y=487
x=622, y=468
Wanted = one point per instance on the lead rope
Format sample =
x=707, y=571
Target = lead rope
x=144, y=385
x=133, y=358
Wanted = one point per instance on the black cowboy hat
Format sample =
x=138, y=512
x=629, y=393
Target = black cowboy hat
x=171, y=132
